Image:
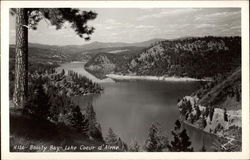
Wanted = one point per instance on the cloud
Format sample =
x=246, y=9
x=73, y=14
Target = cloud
x=144, y=27
x=139, y=24
x=235, y=27
x=112, y=22
x=168, y=12
x=222, y=14
x=112, y=25
x=205, y=25
x=216, y=16
x=68, y=35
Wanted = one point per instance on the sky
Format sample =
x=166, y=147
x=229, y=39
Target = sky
x=141, y=24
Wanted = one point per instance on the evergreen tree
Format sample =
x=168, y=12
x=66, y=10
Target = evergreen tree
x=155, y=142
x=29, y=18
x=177, y=125
x=198, y=112
x=134, y=146
x=90, y=114
x=94, y=127
x=206, y=113
x=181, y=142
x=111, y=138
x=78, y=120
x=203, y=148
x=122, y=145
x=211, y=113
x=225, y=115
x=192, y=117
x=37, y=103
x=204, y=121
x=63, y=72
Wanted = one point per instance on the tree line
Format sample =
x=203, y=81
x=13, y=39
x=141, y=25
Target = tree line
x=156, y=141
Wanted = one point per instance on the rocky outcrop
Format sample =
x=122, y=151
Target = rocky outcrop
x=220, y=118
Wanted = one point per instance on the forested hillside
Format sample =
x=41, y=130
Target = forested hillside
x=108, y=62
x=191, y=57
x=216, y=108
x=187, y=57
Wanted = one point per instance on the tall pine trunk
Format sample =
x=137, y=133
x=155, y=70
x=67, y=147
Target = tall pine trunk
x=21, y=63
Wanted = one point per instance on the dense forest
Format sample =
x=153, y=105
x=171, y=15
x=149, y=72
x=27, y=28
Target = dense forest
x=191, y=57
x=198, y=57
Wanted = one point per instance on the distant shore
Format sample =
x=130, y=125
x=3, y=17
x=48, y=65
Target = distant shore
x=159, y=78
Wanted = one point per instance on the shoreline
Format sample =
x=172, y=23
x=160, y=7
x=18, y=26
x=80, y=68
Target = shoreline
x=157, y=78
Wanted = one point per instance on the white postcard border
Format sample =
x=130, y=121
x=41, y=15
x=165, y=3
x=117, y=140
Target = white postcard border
x=5, y=5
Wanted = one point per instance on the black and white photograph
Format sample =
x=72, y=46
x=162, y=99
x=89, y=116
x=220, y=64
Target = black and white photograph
x=126, y=79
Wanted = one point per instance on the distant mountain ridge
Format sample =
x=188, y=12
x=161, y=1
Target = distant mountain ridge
x=96, y=45
x=42, y=54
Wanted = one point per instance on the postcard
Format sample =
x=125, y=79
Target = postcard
x=125, y=80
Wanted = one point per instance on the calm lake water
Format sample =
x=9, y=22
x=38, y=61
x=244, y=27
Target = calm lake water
x=130, y=107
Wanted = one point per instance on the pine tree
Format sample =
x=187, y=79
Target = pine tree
x=177, y=125
x=111, y=138
x=63, y=72
x=38, y=103
x=204, y=121
x=155, y=142
x=198, y=112
x=29, y=18
x=203, y=148
x=90, y=114
x=94, y=127
x=134, y=146
x=225, y=115
x=122, y=145
x=181, y=142
x=211, y=113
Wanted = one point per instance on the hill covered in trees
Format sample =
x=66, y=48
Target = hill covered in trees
x=216, y=109
x=188, y=57
x=191, y=57
x=105, y=63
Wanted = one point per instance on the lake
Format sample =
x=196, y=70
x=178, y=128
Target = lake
x=130, y=107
